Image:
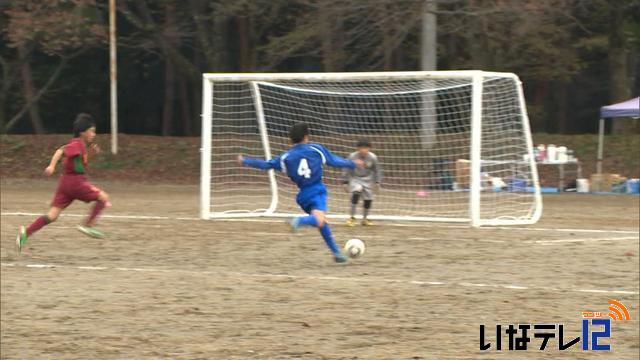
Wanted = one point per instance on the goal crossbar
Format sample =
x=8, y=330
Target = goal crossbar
x=380, y=75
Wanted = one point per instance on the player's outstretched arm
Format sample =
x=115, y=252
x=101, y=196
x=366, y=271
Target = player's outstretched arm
x=54, y=161
x=259, y=163
x=340, y=162
x=347, y=174
x=94, y=149
x=377, y=175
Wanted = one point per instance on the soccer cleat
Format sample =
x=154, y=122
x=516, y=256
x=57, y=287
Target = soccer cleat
x=89, y=231
x=366, y=222
x=340, y=258
x=21, y=240
x=351, y=222
x=294, y=223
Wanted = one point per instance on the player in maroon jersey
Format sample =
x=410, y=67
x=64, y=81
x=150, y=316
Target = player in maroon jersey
x=73, y=184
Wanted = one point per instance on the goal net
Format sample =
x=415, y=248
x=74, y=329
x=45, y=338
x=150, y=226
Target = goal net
x=453, y=145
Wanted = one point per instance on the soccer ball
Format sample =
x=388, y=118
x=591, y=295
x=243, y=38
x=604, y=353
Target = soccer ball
x=354, y=248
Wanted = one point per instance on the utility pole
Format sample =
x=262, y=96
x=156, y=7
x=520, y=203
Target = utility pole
x=113, y=75
x=429, y=45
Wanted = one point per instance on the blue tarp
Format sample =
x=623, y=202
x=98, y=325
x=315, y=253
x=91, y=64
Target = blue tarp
x=629, y=108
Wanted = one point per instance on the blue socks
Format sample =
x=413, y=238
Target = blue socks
x=328, y=238
x=325, y=231
x=308, y=220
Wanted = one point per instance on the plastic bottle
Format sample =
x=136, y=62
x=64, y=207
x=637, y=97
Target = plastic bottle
x=552, y=153
x=542, y=153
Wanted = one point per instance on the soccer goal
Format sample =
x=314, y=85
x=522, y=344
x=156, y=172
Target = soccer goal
x=454, y=145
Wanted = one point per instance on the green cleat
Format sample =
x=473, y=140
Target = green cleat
x=340, y=258
x=294, y=223
x=89, y=231
x=21, y=240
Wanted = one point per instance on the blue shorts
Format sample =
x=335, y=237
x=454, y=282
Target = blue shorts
x=312, y=199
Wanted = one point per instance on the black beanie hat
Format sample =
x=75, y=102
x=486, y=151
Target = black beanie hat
x=364, y=143
x=82, y=123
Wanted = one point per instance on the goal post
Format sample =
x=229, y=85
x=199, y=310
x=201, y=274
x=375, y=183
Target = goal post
x=264, y=138
x=453, y=145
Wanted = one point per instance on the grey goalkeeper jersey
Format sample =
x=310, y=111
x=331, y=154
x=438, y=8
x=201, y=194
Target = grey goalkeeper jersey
x=370, y=174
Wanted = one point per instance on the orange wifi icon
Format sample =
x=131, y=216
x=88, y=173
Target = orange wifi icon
x=618, y=310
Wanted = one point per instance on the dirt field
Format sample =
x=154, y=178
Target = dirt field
x=179, y=288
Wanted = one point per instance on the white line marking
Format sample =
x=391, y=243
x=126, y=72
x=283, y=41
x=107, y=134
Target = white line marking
x=560, y=241
x=311, y=230
x=441, y=239
x=425, y=225
x=141, y=269
x=479, y=285
x=265, y=233
x=40, y=266
x=519, y=228
x=366, y=237
x=568, y=230
x=321, y=278
x=516, y=287
x=538, y=242
x=552, y=289
x=138, y=217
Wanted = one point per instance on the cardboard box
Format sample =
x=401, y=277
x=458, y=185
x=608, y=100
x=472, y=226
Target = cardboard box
x=463, y=172
x=605, y=182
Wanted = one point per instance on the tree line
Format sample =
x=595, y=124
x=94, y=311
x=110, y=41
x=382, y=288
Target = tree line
x=572, y=55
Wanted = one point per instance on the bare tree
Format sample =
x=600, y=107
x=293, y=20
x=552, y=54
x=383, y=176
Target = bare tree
x=57, y=28
x=620, y=48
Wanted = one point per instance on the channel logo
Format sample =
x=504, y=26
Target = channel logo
x=595, y=332
x=618, y=311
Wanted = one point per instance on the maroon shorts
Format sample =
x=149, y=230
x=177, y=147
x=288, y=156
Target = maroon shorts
x=74, y=187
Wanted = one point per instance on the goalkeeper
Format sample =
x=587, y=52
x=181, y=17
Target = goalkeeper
x=362, y=181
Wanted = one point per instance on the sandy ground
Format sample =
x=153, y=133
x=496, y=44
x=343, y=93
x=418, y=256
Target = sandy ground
x=188, y=289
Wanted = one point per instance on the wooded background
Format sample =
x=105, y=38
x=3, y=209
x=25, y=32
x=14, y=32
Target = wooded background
x=573, y=56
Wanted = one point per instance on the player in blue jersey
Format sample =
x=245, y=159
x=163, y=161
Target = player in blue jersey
x=303, y=164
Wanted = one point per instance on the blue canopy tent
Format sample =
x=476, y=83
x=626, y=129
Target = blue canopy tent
x=629, y=108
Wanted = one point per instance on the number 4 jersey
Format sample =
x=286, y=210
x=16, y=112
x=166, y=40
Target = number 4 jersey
x=303, y=164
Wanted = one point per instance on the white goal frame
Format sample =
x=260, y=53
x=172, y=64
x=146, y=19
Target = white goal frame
x=476, y=77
